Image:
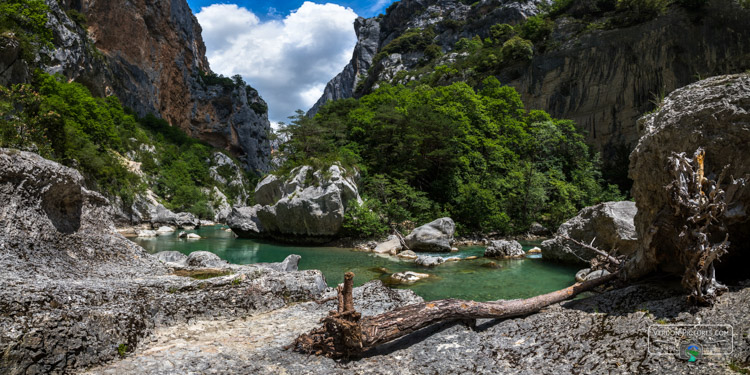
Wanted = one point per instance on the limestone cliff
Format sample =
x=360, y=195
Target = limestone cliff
x=151, y=55
x=604, y=79
x=159, y=71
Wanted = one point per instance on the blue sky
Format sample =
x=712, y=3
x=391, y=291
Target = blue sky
x=287, y=50
x=261, y=7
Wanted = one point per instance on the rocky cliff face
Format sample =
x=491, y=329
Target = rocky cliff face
x=603, y=79
x=375, y=33
x=151, y=55
x=160, y=72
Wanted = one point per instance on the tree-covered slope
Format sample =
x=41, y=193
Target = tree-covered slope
x=477, y=156
x=118, y=154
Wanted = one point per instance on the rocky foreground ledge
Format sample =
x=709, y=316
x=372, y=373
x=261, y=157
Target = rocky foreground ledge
x=75, y=294
x=605, y=334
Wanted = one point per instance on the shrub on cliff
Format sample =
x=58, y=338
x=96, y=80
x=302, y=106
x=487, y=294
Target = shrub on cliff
x=517, y=48
x=26, y=20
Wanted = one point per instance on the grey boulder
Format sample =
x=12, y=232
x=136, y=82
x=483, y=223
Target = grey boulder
x=391, y=246
x=434, y=236
x=609, y=225
x=505, y=249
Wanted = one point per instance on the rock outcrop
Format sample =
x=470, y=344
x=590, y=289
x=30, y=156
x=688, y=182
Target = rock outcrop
x=602, y=79
x=373, y=34
x=306, y=207
x=146, y=209
x=343, y=85
x=74, y=292
x=434, y=236
x=505, y=249
x=713, y=114
x=609, y=225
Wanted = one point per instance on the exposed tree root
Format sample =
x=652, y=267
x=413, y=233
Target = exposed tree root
x=699, y=205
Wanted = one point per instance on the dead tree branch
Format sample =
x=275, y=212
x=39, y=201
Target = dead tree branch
x=609, y=258
x=345, y=333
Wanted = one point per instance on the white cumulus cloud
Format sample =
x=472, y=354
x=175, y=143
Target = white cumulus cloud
x=288, y=60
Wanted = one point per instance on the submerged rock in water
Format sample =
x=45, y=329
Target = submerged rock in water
x=73, y=290
x=429, y=261
x=505, y=249
x=408, y=254
x=491, y=265
x=147, y=233
x=610, y=223
x=391, y=246
x=408, y=277
x=434, y=236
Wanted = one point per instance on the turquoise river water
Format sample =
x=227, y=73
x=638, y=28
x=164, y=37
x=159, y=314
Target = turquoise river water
x=466, y=279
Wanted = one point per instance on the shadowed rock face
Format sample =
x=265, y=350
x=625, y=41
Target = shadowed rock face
x=73, y=290
x=713, y=114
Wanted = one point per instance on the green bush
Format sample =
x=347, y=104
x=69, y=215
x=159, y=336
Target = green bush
x=77, y=17
x=692, y=4
x=410, y=41
x=517, y=48
x=360, y=221
x=536, y=28
x=470, y=45
x=426, y=152
x=259, y=107
x=213, y=79
x=61, y=121
x=500, y=33
x=432, y=52
x=745, y=3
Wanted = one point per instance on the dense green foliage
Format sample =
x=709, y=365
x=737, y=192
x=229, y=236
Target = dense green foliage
x=25, y=20
x=63, y=122
x=428, y=151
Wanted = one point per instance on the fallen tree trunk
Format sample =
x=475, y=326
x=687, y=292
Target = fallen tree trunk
x=345, y=333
